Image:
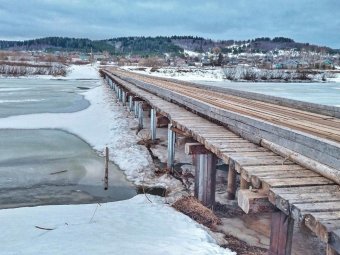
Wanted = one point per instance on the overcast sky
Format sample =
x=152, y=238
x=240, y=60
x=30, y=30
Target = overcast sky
x=314, y=21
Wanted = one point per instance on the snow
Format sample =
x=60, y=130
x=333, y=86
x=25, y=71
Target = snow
x=182, y=73
x=133, y=226
x=81, y=72
x=192, y=53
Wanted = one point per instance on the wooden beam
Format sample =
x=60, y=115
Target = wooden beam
x=195, y=148
x=281, y=234
x=254, y=201
x=231, y=185
x=326, y=171
x=244, y=184
x=334, y=247
x=180, y=132
x=162, y=121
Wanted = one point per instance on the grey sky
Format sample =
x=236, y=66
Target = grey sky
x=314, y=21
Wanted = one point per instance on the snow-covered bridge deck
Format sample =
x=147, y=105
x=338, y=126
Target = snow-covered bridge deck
x=300, y=191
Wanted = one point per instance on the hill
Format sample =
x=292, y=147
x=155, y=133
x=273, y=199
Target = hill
x=148, y=46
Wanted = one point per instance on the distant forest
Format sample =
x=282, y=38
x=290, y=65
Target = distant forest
x=149, y=46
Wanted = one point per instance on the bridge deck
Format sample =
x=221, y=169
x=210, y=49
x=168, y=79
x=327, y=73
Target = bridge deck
x=295, y=190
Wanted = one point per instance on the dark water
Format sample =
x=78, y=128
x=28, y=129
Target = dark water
x=54, y=167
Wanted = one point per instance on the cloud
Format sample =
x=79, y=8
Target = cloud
x=304, y=20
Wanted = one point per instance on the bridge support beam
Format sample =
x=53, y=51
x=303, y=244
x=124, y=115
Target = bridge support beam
x=131, y=103
x=231, y=186
x=205, y=172
x=153, y=124
x=123, y=97
x=171, y=148
x=119, y=94
x=281, y=234
x=205, y=178
x=136, y=108
x=140, y=115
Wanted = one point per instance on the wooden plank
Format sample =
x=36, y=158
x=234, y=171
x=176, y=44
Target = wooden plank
x=291, y=182
x=323, y=223
x=335, y=241
x=257, y=161
x=281, y=234
x=273, y=167
x=313, y=194
x=299, y=210
x=259, y=177
x=248, y=172
x=331, y=250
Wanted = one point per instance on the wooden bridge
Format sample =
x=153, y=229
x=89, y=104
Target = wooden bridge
x=286, y=152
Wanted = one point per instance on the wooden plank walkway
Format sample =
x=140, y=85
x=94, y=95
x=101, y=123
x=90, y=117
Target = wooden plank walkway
x=305, y=195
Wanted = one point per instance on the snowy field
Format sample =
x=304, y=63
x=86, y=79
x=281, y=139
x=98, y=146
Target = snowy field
x=133, y=226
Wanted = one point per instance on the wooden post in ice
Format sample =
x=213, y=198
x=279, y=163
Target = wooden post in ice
x=106, y=178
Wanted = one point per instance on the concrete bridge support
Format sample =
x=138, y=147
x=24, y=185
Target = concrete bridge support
x=123, y=97
x=205, y=172
x=205, y=178
x=131, y=108
x=140, y=115
x=171, y=148
x=153, y=123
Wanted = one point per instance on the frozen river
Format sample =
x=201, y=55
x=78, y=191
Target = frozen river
x=49, y=166
x=320, y=93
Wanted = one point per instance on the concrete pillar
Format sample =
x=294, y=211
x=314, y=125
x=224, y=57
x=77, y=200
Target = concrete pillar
x=136, y=109
x=140, y=115
x=171, y=147
x=130, y=103
x=124, y=97
x=120, y=92
x=205, y=178
x=153, y=125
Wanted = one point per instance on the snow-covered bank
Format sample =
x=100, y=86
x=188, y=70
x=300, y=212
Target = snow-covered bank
x=235, y=74
x=133, y=226
x=185, y=74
